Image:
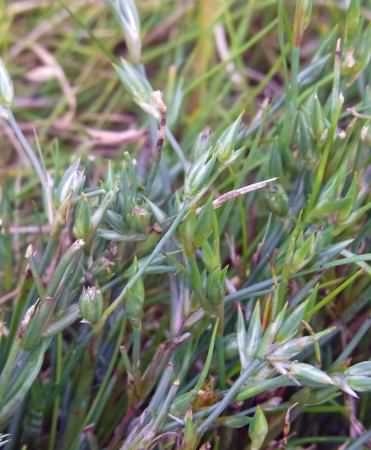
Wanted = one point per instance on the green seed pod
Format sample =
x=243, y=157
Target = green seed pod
x=6, y=87
x=139, y=219
x=277, y=200
x=91, y=304
x=82, y=225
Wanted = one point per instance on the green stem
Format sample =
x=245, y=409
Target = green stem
x=221, y=361
x=40, y=171
x=137, y=331
x=57, y=398
x=93, y=415
x=295, y=67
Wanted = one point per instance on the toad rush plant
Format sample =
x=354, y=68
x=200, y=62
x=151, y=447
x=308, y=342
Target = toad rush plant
x=210, y=291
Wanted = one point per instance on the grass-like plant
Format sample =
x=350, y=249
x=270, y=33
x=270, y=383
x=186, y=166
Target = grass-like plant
x=207, y=283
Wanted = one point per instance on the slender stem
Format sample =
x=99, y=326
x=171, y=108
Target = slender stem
x=295, y=63
x=35, y=164
x=163, y=411
x=7, y=370
x=176, y=307
x=137, y=332
x=92, y=414
x=56, y=403
x=221, y=360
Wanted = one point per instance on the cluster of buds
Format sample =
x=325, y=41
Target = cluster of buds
x=212, y=157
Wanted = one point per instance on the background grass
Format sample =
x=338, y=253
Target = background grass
x=228, y=322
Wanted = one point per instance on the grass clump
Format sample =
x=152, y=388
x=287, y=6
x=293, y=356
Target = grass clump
x=165, y=286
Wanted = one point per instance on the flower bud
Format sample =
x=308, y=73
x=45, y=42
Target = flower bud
x=140, y=219
x=127, y=14
x=91, y=304
x=72, y=182
x=277, y=200
x=6, y=87
x=82, y=225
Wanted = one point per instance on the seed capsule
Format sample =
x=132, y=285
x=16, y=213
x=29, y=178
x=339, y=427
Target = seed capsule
x=277, y=200
x=82, y=225
x=91, y=304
